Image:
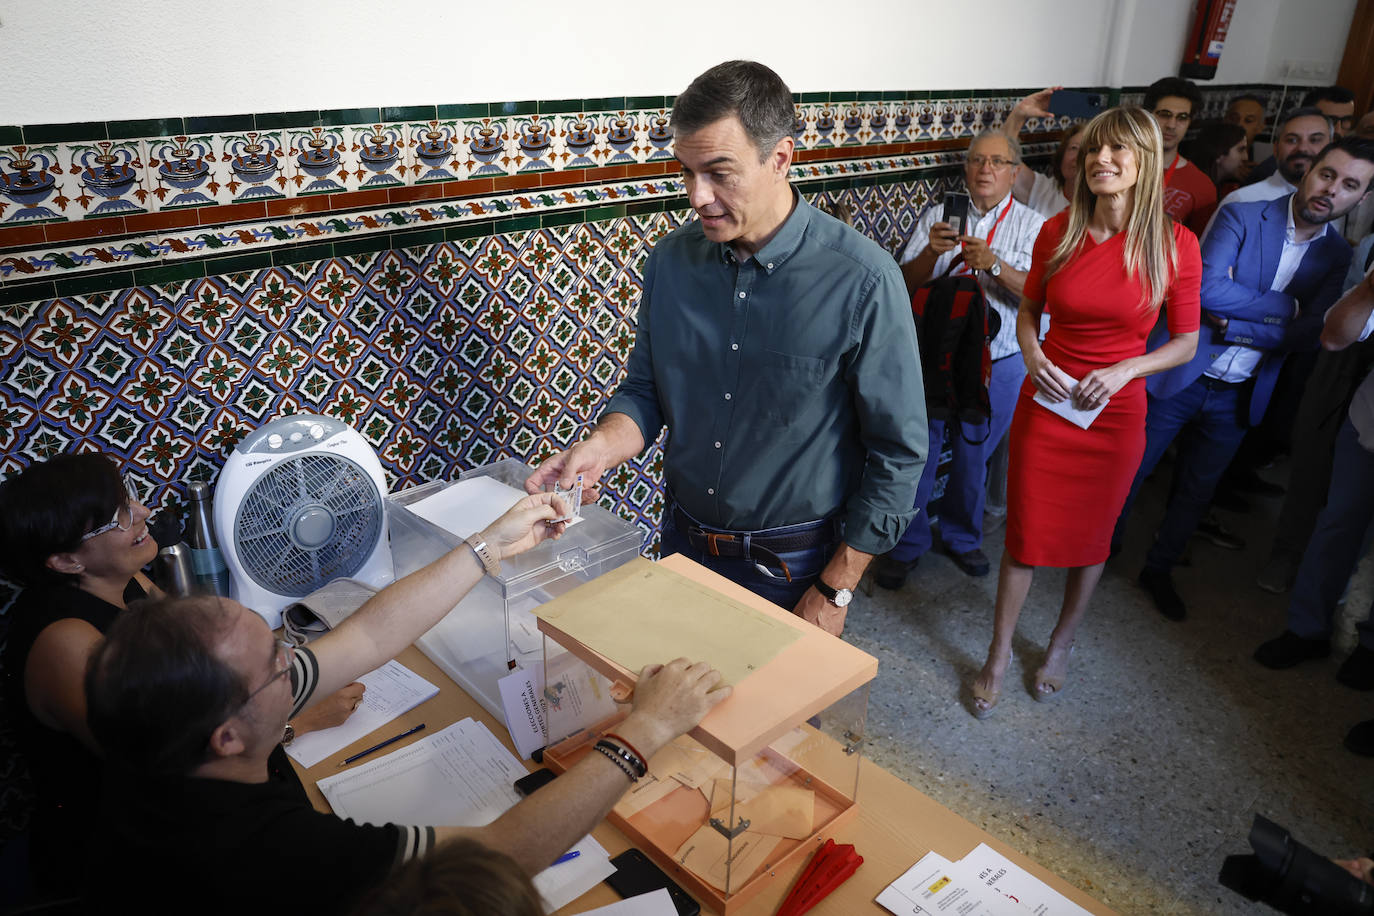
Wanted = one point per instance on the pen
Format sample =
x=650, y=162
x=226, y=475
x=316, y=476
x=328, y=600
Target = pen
x=378, y=747
x=567, y=857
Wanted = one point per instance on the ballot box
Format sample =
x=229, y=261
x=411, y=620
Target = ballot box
x=492, y=631
x=769, y=773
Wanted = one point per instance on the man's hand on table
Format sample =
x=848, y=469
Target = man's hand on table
x=670, y=700
x=331, y=711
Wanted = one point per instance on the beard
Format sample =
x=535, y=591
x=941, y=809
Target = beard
x=1294, y=167
x=1321, y=214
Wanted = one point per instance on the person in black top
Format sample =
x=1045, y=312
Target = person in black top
x=202, y=810
x=74, y=532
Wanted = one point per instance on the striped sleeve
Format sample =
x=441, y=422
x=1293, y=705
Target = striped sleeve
x=305, y=677
x=413, y=843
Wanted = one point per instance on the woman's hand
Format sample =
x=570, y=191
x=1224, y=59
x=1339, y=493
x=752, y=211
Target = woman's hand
x=1097, y=386
x=1051, y=381
x=526, y=524
x=331, y=711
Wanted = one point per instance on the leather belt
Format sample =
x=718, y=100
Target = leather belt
x=1213, y=383
x=749, y=545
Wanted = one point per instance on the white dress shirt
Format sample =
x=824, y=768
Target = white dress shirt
x=1013, y=242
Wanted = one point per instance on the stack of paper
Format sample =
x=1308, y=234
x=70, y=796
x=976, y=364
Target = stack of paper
x=392, y=690
x=982, y=883
x=462, y=777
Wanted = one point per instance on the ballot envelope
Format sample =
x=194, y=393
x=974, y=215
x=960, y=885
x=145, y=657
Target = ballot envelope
x=492, y=630
x=769, y=774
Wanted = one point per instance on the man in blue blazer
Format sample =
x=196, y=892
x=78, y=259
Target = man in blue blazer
x=1270, y=270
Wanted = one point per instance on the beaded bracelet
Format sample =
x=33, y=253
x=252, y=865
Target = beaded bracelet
x=612, y=756
x=631, y=759
x=641, y=762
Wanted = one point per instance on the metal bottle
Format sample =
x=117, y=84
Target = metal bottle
x=212, y=575
x=172, y=570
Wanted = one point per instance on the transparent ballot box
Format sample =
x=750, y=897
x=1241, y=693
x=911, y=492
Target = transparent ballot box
x=769, y=774
x=492, y=631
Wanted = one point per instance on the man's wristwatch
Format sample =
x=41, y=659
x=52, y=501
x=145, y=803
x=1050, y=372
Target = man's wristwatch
x=996, y=269
x=840, y=597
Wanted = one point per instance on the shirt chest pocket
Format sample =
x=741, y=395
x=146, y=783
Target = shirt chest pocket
x=783, y=389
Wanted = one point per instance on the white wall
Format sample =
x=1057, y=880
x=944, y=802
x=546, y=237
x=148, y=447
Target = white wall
x=77, y=60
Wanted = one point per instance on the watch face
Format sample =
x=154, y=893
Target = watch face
x=842, y=597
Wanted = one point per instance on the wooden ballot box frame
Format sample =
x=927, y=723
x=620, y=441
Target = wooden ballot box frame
x=771, y=724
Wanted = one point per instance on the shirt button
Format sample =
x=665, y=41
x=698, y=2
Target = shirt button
x=710, y=491
x=717, y=445
x=734, y=346
x=727, y=395
x=770, y=265
x=741, y=295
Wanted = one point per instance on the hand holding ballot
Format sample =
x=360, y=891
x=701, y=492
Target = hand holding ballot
x=523, y=526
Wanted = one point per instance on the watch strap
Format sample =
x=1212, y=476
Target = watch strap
x=490, y=565
x=828, y=593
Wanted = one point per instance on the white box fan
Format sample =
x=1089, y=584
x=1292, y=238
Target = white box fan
x=300, y=502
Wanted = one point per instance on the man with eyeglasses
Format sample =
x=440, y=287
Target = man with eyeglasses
x=994, y=247
x=1174, y=101
x=202, y=811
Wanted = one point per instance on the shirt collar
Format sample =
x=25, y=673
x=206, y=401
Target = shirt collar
x=1280, y=181
x=995, y=208
x=784, y=242
x=1291, y=230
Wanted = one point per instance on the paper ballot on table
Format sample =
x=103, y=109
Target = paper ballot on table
x=1080, y=418
x=998, y=872
x=583, y=698
x=461, y=776
x=467, y=506
x=655, y=903
x=672, y=616
x=559, y=885
x=392, y=691
x=935, y=885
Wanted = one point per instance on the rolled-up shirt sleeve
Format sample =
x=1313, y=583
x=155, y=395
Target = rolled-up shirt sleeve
x=884, y=374
x=637, y=394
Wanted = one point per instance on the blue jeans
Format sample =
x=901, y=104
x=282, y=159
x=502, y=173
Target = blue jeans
x=961, y=506
x=769, y=582
x=1337, y=543
x=1206, y=419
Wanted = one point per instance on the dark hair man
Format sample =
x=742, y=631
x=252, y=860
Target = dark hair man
x=1248, y=112
x=1337, y=103
x=188, y=698
x=777, y=346
x=1270, y=270
x=1174, y=101
x=1299, y=137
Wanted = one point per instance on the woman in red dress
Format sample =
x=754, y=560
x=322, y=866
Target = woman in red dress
x=1103, y=268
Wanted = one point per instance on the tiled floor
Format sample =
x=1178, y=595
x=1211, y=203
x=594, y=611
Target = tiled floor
x=1168, y=738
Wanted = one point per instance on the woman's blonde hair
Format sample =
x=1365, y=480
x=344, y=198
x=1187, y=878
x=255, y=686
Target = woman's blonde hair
x=1151, y=256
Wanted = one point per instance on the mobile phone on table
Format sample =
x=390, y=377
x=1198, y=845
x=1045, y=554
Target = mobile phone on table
x=956, y=211
x=526, y=785
x=1070, y=104
x=635, y=875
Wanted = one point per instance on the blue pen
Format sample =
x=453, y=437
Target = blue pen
x=567, y=857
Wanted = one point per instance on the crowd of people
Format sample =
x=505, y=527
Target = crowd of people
x=1090, y=317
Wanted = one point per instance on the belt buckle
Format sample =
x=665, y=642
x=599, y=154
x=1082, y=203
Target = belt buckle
x=713, y=539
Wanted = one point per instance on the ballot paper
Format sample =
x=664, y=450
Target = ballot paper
x=935, y=885
x=1080, y=418
x=392, y=691
x=561, y=884
x=654, y=903
x=684, y=762
x=461, y=776
x=465, y=507
x=998, y=872
x=710, y=855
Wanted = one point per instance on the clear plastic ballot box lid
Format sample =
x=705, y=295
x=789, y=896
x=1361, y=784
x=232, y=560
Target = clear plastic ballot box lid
x=768, y=773
x=492, y=630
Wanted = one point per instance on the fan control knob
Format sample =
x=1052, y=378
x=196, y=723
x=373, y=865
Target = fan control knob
x=274, y=441
x=317, y=432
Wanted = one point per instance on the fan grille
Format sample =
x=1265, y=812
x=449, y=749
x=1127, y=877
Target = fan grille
x=276, y=531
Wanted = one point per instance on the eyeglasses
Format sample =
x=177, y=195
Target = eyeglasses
x=124, y=515
x=286, y=653
x=997, y=162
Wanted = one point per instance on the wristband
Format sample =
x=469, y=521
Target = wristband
x=604, y=749
x=642, y=762
x=636, y=762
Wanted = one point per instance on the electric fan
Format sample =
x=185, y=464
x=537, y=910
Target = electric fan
x=299, y=504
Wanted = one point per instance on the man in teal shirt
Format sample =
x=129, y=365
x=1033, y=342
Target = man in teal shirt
x=777, y=346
